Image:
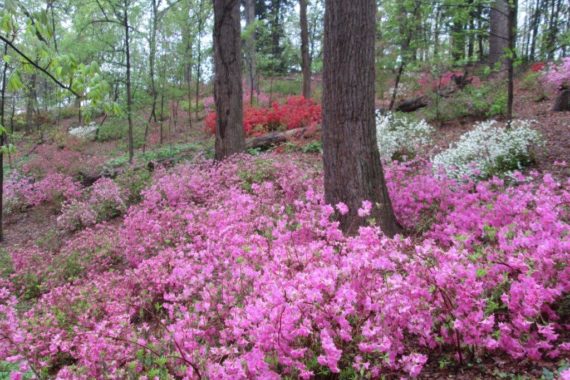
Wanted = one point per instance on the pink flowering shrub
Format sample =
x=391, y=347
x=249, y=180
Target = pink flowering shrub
x=238, y=270
x=105, y=201
x=22, y=191
x=558, y=76
x=51, y=158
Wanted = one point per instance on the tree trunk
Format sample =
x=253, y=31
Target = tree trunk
x=535, y=24
x=306, y=60
x=152, y=58
x=129, y=95
x=552, y=30
x=31, y=102
x=512, y=25
x=187, y=41
x=562, y=102
x=230, y=137
x=199, y=57
x=352, y=168
x=250, y=47
x=79, y=111
x=2, y=135
x=499, y=36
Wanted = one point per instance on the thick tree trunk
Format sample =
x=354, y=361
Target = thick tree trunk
x=562, y=102
x=352, y=167
x=306, y=59
x=230, y=137
x=499, y=36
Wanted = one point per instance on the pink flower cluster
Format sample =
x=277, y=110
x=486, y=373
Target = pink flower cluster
x=51, y=158
x=558, y=76
x=238, y=270
x=22, y=191
x=105, y=201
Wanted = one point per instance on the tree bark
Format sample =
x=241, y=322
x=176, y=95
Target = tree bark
x=535, y=24
x=152, y=57
x=562, y=102
x=512, y=25
x=2, y=139
x=129, y=95
x=199, y=57
x=31, y=101
x=306, y=59
x=352, y=167
x=250, y=47
x=230, y=138
x=499, y=36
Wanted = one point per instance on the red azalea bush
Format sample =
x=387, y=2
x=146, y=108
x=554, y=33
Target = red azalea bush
x=238, y=270
x=537, y=67
x=296, y=112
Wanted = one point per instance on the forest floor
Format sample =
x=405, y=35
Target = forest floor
x=35, y=226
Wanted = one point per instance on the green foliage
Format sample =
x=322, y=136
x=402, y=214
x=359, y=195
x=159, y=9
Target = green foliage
x=487, y=101
x=6, y=265
x=133, y=182
x=49, y=241
x=263, y=171
x=113, y=129
x=531, y=82
x=283, y=86
x=313, y=147
x=170, y=151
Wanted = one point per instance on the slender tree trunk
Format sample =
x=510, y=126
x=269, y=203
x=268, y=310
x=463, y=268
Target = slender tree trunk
x=79, y=111
x=187, y=41
x=305, y=50
x=129, y=95
x=499, y=36
x=230, y=138
x=458, y=41
x=480, y=45
x=512, y=25
x=436, y=32
x=31, y=102
x=250, y=49
x=535, y=23
x=352, y=167
x=2, y=139
x=199, y=57
x=152, y=57
x=553, y=30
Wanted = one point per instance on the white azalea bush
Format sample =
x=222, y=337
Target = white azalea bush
x=400, y=138
x=489, y=150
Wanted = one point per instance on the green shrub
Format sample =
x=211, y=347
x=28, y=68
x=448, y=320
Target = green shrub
x=133, y=182
x=283, y=86
x=485, y=101
x=313, y=147
x=263, y=171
